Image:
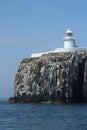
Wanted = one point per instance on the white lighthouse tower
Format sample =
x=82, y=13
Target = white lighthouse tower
x=69, y=41
x=69, y=45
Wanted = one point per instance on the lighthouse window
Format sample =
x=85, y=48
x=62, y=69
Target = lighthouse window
x=69, y=34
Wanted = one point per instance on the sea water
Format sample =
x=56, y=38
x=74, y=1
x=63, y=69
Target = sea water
x=42, y=116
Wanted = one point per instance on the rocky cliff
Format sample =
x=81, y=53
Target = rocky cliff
x=54, y=77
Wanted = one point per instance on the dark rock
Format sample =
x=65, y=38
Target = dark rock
x=54, y=77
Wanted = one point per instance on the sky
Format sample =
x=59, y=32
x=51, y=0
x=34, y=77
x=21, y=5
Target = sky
x=32, y=26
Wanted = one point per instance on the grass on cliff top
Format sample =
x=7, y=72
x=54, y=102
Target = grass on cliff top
x=27, y=60
x=61, y=56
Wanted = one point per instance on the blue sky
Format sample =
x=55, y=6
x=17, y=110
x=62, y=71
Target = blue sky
x=30, y=26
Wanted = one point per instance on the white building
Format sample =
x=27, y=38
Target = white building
x=69, y=45
x=69, y=41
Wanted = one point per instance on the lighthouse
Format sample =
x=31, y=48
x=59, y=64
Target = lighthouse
x=69, y=45
x=69, y=41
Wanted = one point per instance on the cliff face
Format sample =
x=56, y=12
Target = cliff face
x=53, y=77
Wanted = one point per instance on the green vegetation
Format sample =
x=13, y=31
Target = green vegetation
x=27, y=60
x=38, y=67
x=61, y=79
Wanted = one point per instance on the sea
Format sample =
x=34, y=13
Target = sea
x=42, y=116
